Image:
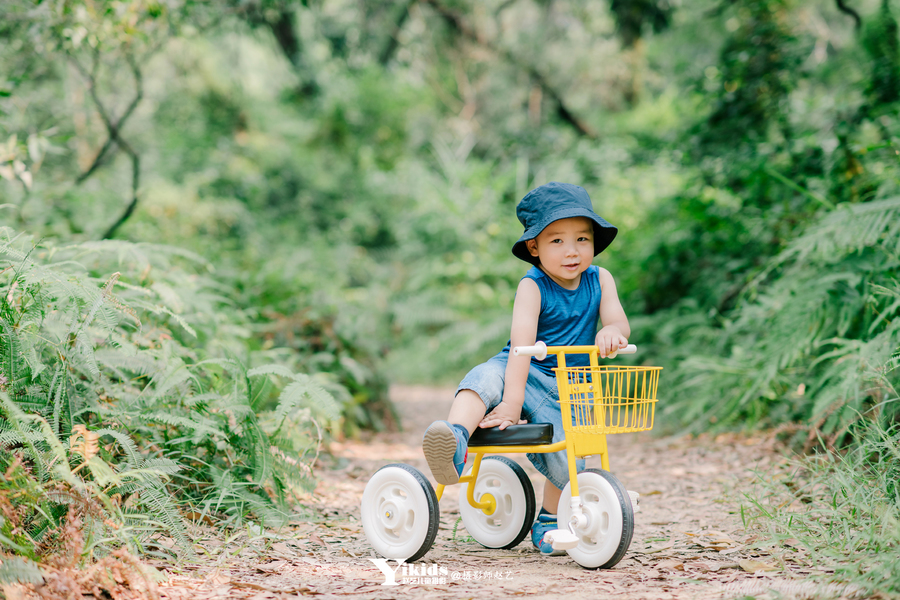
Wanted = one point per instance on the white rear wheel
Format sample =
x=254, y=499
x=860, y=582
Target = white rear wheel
x=400, y=513
x=605, y=539
x=513, y=494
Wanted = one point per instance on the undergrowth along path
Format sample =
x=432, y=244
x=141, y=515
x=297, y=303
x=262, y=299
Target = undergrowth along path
x=689, y=539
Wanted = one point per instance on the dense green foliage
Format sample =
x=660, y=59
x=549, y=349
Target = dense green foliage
x=114, y=410
x=341, y=176
x=788, y=267
x=815, y=338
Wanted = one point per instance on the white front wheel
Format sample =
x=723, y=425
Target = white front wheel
x=606, y=535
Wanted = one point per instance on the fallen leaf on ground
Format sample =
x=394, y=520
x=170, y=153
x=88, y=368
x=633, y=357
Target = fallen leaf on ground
x=272, y=567
x=659, y=549
x=705, y=567
x=712, y=545
x=196, y=516
x=754, y=566
x=217, y=577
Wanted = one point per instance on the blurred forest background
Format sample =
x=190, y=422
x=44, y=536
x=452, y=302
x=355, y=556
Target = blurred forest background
x=228, y=225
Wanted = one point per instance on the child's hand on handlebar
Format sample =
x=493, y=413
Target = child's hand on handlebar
x=609, y=340
x=503, y=416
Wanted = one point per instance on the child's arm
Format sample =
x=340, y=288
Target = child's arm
x=615, y=331
x=526, y=310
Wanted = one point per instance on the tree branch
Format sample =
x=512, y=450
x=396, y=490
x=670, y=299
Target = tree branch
x=112, y=127
x=135, y=159
x=849, y=11
x=91, y=79
x=284, y=31
x=457, y=24
x=506, y=4
x=135, y=181
x=282, y=24
x=113, y=130
x=391, y=46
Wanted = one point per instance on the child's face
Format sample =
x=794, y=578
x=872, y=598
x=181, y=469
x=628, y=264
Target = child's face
x=565, y=249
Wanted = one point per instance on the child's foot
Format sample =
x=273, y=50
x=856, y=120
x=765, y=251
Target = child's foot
x=545, y=522
x=446, y=451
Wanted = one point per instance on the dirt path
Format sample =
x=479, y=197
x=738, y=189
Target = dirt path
x=688, y=543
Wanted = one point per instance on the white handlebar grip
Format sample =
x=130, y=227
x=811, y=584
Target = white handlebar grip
x=539, y=350
x=629, y=349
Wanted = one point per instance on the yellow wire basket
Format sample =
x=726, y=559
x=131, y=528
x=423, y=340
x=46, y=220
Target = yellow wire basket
x=599, y=400
x=607, y=399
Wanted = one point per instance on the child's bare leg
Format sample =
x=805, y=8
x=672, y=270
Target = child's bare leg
x=551, y=497
x=468, y=410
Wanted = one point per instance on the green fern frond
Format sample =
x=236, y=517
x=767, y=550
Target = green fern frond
x=849, y=228
x=206, y=426
x=304, y=392
x=262, y=458
x=102, y=472
x=100, y=305
x=9, y=249
x=165, y=511
x=121, y=361
x=273, y=369
x=175, y=374
x=125, y=441
x=14, y=569
x=12, y=436
x=237, y=499
x=57, y=451
x=178, y=319
x=161, y=250
x=84, y=356
x=162, y=466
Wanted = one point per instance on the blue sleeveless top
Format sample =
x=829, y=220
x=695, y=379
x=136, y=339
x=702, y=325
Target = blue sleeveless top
x=568, y=317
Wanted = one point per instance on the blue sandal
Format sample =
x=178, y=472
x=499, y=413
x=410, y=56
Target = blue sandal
x=545, y=522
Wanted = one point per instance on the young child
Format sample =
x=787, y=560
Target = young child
x=559, y=302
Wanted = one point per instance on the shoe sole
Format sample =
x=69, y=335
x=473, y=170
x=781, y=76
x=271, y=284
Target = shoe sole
x=439, y=446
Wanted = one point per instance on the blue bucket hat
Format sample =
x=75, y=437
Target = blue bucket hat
x=552, y=202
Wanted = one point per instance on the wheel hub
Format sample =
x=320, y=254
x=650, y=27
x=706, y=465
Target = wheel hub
x=491, y=503
x=597, y=526
x=390, y=514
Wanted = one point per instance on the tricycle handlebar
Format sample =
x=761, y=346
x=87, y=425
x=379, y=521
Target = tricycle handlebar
x=540, y=350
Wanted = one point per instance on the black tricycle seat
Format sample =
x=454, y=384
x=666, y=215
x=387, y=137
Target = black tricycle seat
x=529, y=434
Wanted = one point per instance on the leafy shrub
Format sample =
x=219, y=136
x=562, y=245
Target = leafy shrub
x=809, y=341
x=124, y=403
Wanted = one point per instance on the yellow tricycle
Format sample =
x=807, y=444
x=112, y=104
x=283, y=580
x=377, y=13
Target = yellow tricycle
x=399, y=507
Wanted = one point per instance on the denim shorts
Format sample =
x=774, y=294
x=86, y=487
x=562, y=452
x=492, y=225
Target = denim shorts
x=541, y=406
